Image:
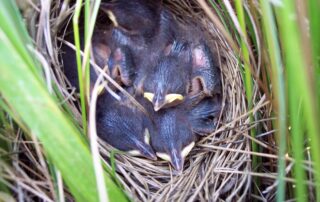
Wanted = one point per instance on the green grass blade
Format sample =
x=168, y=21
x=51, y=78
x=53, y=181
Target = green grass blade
x=83, y=103
x=231, y=28
x=278, y=80
x=219, y=13
x=245, y=52
x=11, y=24
x=4, y=149
x=3, y=187
x=297, y=134
x=40, y=113
x=299, y=87
x=314, y=16
x=247, y=73
x=87, y=22
x=90, y=18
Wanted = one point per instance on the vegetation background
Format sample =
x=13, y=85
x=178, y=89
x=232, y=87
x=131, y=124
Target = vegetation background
x=277, y=43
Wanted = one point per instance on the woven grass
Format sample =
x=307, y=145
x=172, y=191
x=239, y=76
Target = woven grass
x=219, y=167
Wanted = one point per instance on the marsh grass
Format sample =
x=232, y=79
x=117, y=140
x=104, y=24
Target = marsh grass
x=265, y=145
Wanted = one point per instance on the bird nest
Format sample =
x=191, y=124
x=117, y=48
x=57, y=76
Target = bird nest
x=219, y=165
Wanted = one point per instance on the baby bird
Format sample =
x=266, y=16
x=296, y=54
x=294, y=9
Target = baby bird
x=205, y=71
x=166, y=84
x=135, y=17
x=105, y=52
x=174, y=138
x=124, y=126
x=69, y=62
x=203, y=116
x=178, y=127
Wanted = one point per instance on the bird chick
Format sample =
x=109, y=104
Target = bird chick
x=135, y=17
x=205, y=71
x=124, y=126
x=167, y=83
x=178, y=126
x=203, y=116
x=69, y=62
x=174, y=138
x=105, y=52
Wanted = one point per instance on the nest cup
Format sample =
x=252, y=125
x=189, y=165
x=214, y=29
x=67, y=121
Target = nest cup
x=218, y=167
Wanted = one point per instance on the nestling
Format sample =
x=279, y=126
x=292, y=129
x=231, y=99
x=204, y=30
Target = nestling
x=124, y=126
x=167, y=83
x=134, y=18
x=203, y=116
x=105, y=52
x=174, y=138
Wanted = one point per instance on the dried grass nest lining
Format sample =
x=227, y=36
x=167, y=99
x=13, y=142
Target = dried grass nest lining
x=217, y=167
